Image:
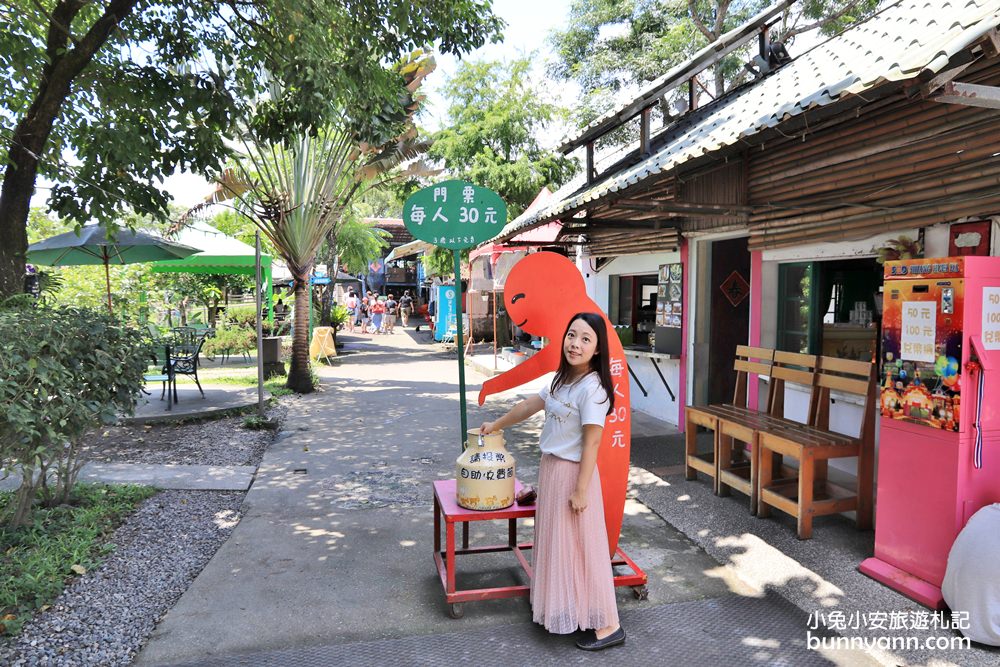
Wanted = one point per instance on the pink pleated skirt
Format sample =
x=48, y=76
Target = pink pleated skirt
x=572, y=585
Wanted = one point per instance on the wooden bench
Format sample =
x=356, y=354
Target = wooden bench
x=738, y=469
x=808, y=493
x=756, y=360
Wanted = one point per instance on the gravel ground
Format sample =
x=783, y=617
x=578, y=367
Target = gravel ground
x=220, y=442
x=104, y=617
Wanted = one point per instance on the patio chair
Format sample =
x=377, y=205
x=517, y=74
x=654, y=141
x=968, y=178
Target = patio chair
x=186, y=362
x=204, y=331
x=162, y=358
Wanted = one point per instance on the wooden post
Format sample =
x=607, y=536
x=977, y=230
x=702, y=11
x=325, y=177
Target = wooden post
x=590, y=162
x=644, y=131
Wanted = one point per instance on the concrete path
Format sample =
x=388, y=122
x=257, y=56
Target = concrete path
x=332, y=560
x=169, y=476
x=190, y=404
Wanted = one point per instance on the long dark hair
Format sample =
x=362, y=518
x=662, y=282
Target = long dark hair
x=599, y=363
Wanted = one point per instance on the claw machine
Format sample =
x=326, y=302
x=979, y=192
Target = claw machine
x=939, y=439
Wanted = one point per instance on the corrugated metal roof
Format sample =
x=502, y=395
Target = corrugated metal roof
x=898, y=43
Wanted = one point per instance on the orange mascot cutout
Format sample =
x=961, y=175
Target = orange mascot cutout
x=544, y=290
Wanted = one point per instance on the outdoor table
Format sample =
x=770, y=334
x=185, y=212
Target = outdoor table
x=446, y=507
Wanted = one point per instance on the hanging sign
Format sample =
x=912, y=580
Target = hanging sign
x=454, y=214
x=919, y=331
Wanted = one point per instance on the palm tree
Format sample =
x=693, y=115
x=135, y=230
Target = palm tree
x=298, y=191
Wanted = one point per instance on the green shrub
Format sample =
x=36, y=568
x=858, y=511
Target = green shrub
x=338, y=316
x=58, y=543
x=244, y=315
x=230, y=338
x=63, y=371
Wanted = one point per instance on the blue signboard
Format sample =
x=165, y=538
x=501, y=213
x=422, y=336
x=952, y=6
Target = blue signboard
x=446, y=311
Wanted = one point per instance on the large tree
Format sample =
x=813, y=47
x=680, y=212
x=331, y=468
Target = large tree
x=610, y=45
x=107, y=97
x=492, y=136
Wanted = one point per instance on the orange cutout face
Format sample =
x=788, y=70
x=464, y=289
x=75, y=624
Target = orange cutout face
x=544, y=290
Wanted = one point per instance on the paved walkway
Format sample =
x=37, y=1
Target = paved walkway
x=169, y=476
x=331, y=562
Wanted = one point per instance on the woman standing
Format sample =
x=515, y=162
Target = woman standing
x=378, y=313
x=573, y=584
x=364, y=308
x=352, y=310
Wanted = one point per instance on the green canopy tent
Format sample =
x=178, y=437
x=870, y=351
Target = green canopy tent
x=220, y=254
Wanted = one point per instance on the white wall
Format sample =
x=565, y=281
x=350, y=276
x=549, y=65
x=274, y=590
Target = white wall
x=658, y=402
x=626, y=265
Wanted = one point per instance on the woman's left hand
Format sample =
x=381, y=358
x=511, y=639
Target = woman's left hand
x=578, y=502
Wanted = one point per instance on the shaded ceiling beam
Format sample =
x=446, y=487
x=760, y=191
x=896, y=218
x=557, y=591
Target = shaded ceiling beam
x=625, y=223
x=536, y=244
x=617, y=228
x=691, y=208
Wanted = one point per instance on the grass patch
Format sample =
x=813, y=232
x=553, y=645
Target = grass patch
x=276, y=386
x=61, y=542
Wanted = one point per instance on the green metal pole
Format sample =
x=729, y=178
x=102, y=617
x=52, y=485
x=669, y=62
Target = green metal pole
x=269, y=291
x=458, y=341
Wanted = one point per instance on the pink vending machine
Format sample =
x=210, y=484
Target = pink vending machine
x=939, y=439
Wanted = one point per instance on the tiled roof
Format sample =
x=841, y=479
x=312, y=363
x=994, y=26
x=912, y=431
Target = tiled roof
x=899, y=43
x=394, y=226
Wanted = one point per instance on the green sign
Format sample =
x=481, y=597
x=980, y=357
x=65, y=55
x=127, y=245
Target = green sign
x=454, y=214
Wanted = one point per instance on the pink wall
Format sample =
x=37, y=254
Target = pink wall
x=682, y=364
x=756, y=303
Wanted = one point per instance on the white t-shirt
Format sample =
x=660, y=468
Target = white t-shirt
x=567, y=411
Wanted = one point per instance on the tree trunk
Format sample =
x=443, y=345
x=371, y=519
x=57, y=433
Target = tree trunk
x=15, y=202
x=32, y=132
x=24, y=499
x=299, y=379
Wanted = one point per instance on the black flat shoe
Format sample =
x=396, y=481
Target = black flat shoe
x=592, y=643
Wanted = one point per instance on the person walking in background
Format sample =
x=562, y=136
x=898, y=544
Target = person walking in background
x=391, y=307
x=405, y=308
x=573, y=585
x=378, y=314
x=352, y=310
x=431, y=309
x=363, y=310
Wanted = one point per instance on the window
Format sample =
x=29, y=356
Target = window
x=825, y=307
x=632, y=303
x=796, y=330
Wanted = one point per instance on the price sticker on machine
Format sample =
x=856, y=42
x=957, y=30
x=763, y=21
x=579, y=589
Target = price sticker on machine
x=919, y=331
x=991, y=318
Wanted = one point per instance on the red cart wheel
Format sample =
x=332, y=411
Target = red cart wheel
x=640, y=592
x=456, y=610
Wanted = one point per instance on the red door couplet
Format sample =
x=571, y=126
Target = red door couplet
x=543, y=292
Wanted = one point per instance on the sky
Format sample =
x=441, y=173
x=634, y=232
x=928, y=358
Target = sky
x=529, y=23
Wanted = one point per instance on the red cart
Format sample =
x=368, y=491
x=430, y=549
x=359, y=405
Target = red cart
x=447, y=508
